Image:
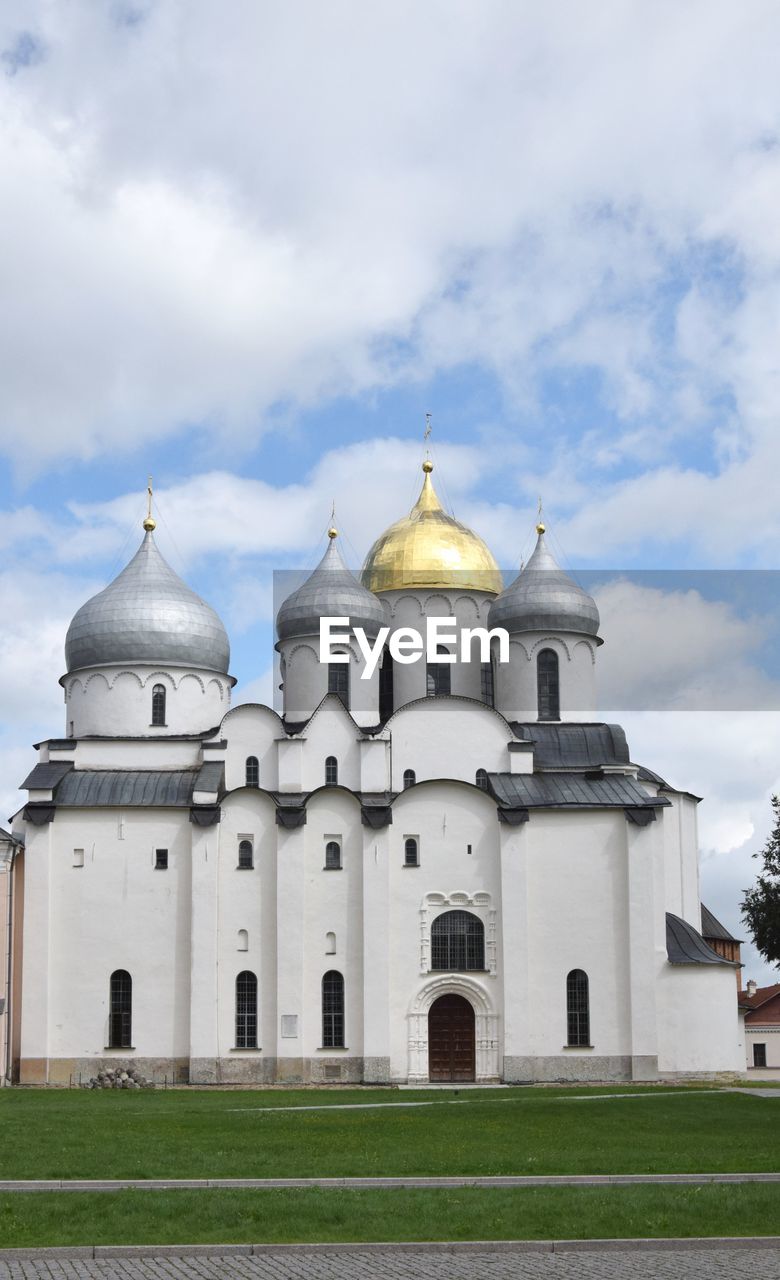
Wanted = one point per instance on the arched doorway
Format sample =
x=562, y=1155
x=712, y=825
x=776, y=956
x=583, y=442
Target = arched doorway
x=451, y=1040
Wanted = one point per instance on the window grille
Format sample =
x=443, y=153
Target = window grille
x=438, y=679
x=486, y=683
x=158, y=705
x=332, y=1010
x=410, y=777
x=338, y=681
x=120, y=1018
x=548, y=685
x=161, y=859
x=411, y=852
x=331, y=771
x=578, y=1008
x=457, y=941
x=246, y=1010
x=252, y=771
x=481, y=779
x=246, y=855
x=333, y=855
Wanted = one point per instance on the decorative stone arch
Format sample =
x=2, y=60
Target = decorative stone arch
x=438, y=596
x=220, y=687
x=585, y=644
x=190, y=675
x=518, y=644
x=70, y=686
x=485, y=1024
x=157, y=675
x=471, y=602
x=480, y=904
x=98, y=675
x=310, y=647
x=395, y=604
x=545, y=643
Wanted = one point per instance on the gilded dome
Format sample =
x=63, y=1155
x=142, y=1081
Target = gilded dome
x=544, y=598
x=147, y=615
x=429, y=548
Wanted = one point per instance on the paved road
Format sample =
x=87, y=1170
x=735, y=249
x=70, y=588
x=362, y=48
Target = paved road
x=704, y=1264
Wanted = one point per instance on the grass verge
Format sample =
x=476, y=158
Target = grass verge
x=115, y=1134
x=189, y=1217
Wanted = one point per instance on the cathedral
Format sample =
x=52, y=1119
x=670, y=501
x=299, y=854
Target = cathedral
x=448, y=871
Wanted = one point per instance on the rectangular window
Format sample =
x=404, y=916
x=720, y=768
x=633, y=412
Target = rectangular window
x=78, y=857
x=759, y=1055
x=161, y=859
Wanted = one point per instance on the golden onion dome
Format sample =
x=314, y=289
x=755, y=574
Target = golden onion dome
x=429, y=548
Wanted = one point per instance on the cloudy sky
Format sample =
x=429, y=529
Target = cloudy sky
x=246, y=247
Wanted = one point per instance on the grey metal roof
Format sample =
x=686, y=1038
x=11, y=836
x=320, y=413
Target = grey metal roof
x=147, y=614
x=574, y=745
x=570, y=791
x=331, y=591
x=711, y=927
x=92, y=788
x=685, y=946
x=544, y=598
x=45, y=776
x=211, y=776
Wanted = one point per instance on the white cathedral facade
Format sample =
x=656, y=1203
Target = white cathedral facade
x=448, y=872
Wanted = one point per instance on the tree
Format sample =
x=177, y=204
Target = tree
x=761, y=904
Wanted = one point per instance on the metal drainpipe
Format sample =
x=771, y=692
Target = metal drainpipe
x=8, y=927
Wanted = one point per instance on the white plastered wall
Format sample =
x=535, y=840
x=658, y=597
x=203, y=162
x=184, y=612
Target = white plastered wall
x=447, y=738
x=114, y=700
x=516, y=685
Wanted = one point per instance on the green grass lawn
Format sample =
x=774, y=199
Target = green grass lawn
x=112, y=1134
x=178, y=1217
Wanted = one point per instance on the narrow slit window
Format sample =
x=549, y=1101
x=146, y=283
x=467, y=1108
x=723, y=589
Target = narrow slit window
x=158, y=705
x=331, y=771
x=438, y=679
x=411, y=852
x=386, y=681
x=333, y=856
x=333, y=1010
x=330, y=944
x=161, y=859
x=486, y=683
x=577, y=1008
x=252, y=771
x=548, y=685
x=243, y=940
x=246, y=855
x=78, y=857
x=120, y=1016
x=338, y=681
x=246, y=1010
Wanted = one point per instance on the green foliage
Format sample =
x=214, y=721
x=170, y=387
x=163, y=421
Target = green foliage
x=468, y=1213
x=761, y=904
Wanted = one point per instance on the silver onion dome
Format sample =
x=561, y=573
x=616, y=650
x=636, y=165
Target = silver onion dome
x=544, y=598
x=148, y=615
x=331, y=591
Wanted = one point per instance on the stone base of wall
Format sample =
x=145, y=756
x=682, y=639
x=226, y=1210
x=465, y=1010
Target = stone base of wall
x=73, y=1071
x=570, y=1067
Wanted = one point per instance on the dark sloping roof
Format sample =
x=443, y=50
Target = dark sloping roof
x=712, y=928
x=570, y=790
x=574, y=746
x=211, y=777
x=127, y=787
x=760, y=996
x=685, y=946
x=44, y=777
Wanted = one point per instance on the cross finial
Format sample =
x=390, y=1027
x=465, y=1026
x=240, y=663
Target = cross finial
x=333, y=531
x=427, y=432
x=149, y=523
x=540, y=525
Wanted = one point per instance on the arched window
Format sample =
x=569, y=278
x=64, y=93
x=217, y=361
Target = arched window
x=243, y=940
x=411, y=852
x=548, y=685
x=246, y=1010
x=577, y=1008
x=386, y=687
x=120, y=1019
x=338, y=681
x=333, y=856
x=158, y=704
x=332, y=1010
x=438, y=679
x=330, y=944
x=486, y=683
x=481, y=779
x=331, y=771
x=252, y=771
x=410, y=777
x=246, y=855
x=457, y=941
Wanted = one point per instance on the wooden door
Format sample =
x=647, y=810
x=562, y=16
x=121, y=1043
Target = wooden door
x=451, y=1047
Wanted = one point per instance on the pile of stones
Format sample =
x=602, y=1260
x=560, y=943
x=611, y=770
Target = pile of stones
x=118, y=1078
